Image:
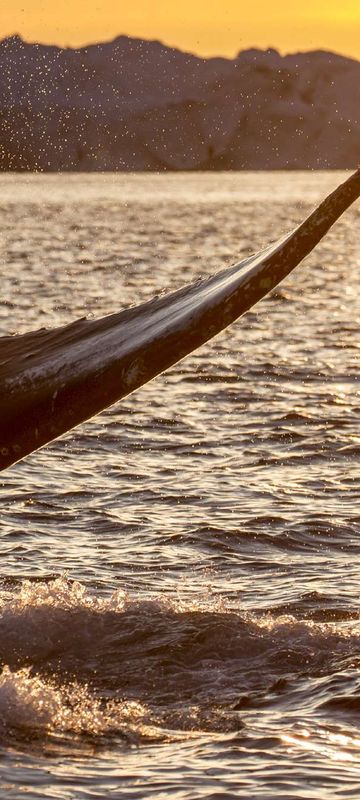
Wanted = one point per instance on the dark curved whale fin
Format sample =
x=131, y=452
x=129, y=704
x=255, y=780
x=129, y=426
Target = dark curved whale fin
x=51, y=380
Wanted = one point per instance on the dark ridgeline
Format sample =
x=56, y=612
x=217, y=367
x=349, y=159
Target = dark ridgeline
x=139, y=105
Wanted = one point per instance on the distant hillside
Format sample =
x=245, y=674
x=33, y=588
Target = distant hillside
x=139, y=105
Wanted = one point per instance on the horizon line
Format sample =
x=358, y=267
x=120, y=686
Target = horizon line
x=254, y=48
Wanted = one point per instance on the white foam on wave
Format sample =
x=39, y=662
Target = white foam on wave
x=44, y=618
x=37, y=707
x=41, y=615
x=62, y=593
x=192, y=655
x=28, y=702
x=41, y=618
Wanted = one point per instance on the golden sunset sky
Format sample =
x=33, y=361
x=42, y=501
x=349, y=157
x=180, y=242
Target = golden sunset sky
x=207, y=27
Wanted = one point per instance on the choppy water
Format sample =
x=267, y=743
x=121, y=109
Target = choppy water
x=180, y=612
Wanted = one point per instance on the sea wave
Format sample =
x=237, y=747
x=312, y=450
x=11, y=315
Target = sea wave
x=74, y=660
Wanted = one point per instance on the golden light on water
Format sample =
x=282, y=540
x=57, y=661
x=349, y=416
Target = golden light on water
x=218, y=28
x=332, y=745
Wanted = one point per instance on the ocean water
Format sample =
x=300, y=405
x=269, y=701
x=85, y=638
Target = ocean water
x=179, y=577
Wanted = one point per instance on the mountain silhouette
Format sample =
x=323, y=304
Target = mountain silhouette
x=133, y=104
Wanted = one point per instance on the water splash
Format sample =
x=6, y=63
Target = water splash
x=29, y=703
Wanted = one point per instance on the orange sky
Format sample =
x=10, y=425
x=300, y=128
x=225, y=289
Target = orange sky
x=207, y=27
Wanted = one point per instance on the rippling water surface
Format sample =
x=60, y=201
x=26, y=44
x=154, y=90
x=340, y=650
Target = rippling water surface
x=179, y=577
